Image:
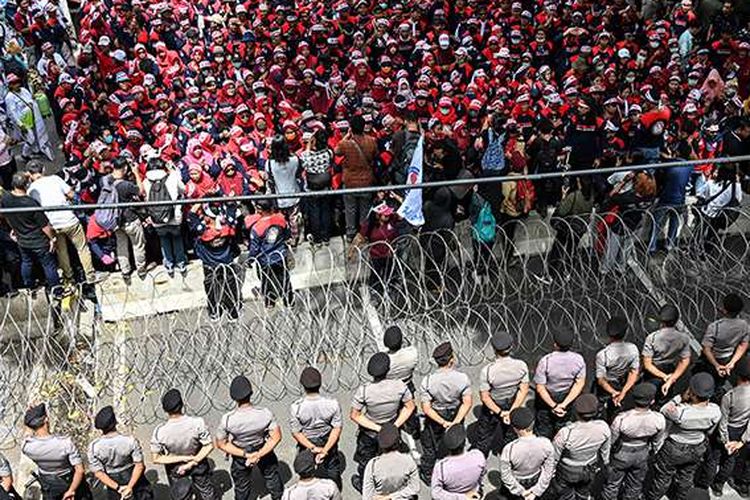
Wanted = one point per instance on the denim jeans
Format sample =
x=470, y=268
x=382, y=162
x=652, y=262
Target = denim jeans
x=172, y=248
x=47, y=260
x=674, y=214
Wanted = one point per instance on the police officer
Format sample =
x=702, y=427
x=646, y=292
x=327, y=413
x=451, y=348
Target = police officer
x=635, y=433
x=581, y=448
x=460, y=473
x=666, y=354
x=59, y=465
x=7, y=491
x=181, y=445
x=692, y=418
x=503, y=387
x=560, y=378
x=725, y=343
x=735, y=415
x=403, y=362
x=379, y=402
x=249, y=435
x=617, y=367
x=316, y=423
x=446, y=400
x=391, y=474
x=310, y=486
x=527, y=464
x=117, y=460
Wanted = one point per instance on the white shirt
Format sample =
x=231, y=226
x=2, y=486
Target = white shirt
x=711, y=189
x=52, y=191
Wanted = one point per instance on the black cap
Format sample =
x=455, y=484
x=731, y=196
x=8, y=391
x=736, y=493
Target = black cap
x=171, y=401
x=264, y=204
x=669, y=314
x=742, y=369
x=304, y=464
x=563, y=338
x=522, y=418
x=389, y=436
x=310, y=378
x=393, y=338
x=105, y=420
x=644, y=394
x=702, y=385
x=455, y=437
x=443, y=353
x=34, y=417
x=616, y=327
x=379, y=365
x=732, y=303
x=501, y=341
x=586, y=404
x=697, y=494
x=240, y=389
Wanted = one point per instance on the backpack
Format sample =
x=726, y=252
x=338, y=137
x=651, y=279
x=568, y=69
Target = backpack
x=484, y=228
x=402, y=163
x=525, y=196
x=108, y=218
x=493, y=159
x=160, y=214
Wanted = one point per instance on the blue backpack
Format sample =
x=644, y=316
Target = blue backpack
x=108, y=218
x=493, y=159
x=485, y=227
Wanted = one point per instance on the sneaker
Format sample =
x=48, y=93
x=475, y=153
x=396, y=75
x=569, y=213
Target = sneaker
x=214, y=317
x=128, y=278
x=98, y=277
x=170, y=271
x=717, y=489
x=742, y=489
x=183, y=269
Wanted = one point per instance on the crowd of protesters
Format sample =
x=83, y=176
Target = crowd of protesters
x=165, y=100
x=655, y=422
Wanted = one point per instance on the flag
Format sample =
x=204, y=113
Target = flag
x=411, y=208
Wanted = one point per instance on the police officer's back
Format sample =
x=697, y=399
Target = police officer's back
x=59, y=465
x=635, y=435
x=391, y=474
x=460, y=473
x=249, y=434
x=666, y=354
x=7, y=490
x=617, y=367
x=503, y=387
x=403, y=360
x=117, y=460
x=309, y=486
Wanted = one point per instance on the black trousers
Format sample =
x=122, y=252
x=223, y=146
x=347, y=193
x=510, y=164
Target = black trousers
x=275, y=284
x=573, y=482
x=54, y=487
x=492, y=432
x=223, y=289
x=719, y=465
x=319, y=218
x=626, y=473
x=242, y=476
x=366, y=450
x=674, y=470
x=331, y=467
x=196, y=482
x=380, y=275
x=432, y=443
x=141, y=491
x=526, y=483
x=548, y=423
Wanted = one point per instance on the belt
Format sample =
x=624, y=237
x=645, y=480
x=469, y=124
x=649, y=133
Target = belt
x=577, y=463
x=532, y=477
x=57, y=474
x=118, y=470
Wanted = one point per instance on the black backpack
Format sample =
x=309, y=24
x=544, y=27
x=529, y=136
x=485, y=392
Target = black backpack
x=160, y=214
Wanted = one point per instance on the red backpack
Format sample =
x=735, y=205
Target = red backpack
x=525, y=196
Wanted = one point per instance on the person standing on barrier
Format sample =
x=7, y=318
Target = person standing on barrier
x=460, y=473
x=316, y=423
x=7, y=491
x=617, y=368
x=391, y=474
x=666, y=354
x=380, y=402
x=182, y=445
x=635, y=435
x=560, y=378
x=725, y=343
x=581, y=449
x=527, y=463
x=726, y=445
x=117, y=460
x=310, y=486
x=503, y=387
x=269, y=234
x=403, y=362
x=446, y=400
x=59, y=466
x=692, y=418
x=249, y=435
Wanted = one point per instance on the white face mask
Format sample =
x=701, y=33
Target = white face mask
x=444, y=44
x=654, y=44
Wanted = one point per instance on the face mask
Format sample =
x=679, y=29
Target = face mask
x=444, y=111
x=692, y=82
x=108, y=139
x=630, y=78
x=654, y=45
x=444, y=45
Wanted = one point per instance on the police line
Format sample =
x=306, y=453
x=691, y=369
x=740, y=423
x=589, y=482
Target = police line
x=564, y=174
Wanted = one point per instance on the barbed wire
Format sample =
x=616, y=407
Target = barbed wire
x=436, y=289
x=561, y=174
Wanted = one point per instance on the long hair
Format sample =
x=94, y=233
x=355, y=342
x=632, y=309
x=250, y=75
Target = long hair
x=279, y=149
